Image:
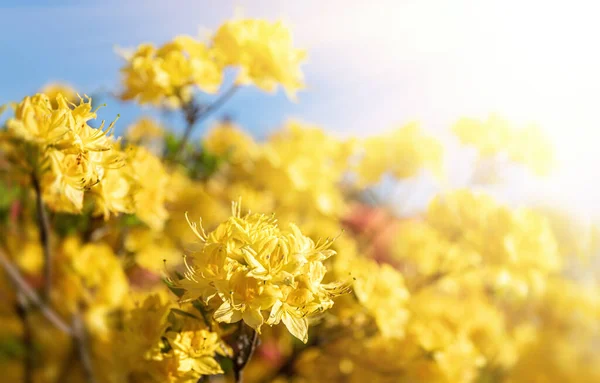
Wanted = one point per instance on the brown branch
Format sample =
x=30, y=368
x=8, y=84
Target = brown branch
x=44, y=230
x=24, y=288
x=246, y=345
x=194, y=114
x=29, y=357
x=80, y=337
x=76, y=331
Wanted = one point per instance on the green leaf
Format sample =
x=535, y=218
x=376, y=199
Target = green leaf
x=11, y=348
x=129, y=220
x=184, y=313
x=226, y=363
x=175, y=290
x=202, y=310
x=65, y=224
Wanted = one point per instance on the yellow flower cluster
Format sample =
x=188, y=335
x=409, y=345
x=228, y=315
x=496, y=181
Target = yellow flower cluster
x=401, y=153
x=262, y=51
x=151, y=351
x=462, y=257
x=465, y=232
x=304, y=167
x=515, y=249
x=139, y=185
x=144, y=131
x=380, y=297
x=253, y=267
x=568, y=337
x=89, y=274
x=52, y=90
x=229, y=141
x=59, y=138
x=167, y=74
x=526, y=146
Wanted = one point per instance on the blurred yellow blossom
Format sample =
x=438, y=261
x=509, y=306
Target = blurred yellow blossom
x=225, y=139
x=167, y=74
x=380, y=289
x=263, y=51
x=152, y=191
x=401, y=153
x=144, y=130
x=52, y=90
x=524, y=145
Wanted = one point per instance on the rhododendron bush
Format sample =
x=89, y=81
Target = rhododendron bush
x=155, y=257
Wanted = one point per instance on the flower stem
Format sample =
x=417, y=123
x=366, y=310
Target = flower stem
x=44, y=230
x=26, y=290
x=246, y=345
x=195, y=114
x=28, y=357
x=81, y=342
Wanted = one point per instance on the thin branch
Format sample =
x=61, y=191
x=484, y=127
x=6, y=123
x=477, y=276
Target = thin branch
x=44, y=229
x=194, y=114
x=81, y=342
x=29, y=357
x=246, y=345
x=31, y=295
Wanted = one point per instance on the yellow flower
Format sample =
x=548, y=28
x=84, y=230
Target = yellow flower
x=526, y=146
x=152, y=188
x=89, y=274
x=144, y=325
x=115, y=192
x=70, y=157
x=195, y=352
x=166, y=75
x=226, y=139
x=303, y=167
x=36, y=121
x=380, y=289
x=52, y=90
x=145, y=130
x=512, y=249
x=252, y=267
x=264, y=53
x=151, y=248
x=401, y=153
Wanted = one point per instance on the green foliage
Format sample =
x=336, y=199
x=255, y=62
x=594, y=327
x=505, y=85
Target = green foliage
x=9, y=194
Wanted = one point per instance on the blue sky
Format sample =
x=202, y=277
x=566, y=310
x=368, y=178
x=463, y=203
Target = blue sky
x=75, y=42
x=372, y=65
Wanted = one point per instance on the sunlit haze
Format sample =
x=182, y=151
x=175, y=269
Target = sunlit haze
x=371, y=67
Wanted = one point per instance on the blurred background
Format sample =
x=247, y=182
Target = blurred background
x=372, y=66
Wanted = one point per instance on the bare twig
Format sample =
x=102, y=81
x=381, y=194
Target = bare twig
x=44, y=229
x=81, y=342
x=194, y=114
x=246, y=345
x=24, y=288
x=28, y=357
